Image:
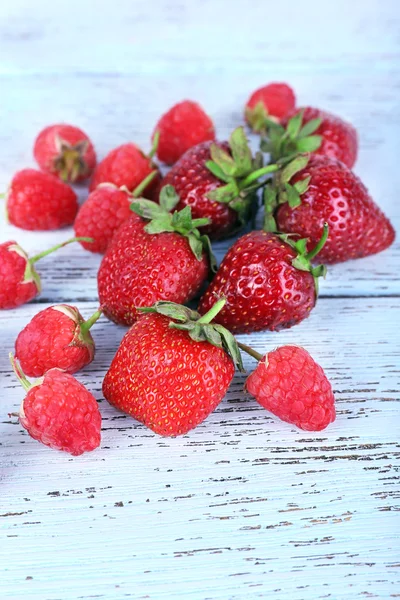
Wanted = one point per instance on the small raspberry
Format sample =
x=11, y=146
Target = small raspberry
x=291, y=385
x=183, y=126
x=274, y=101
x=60, y=412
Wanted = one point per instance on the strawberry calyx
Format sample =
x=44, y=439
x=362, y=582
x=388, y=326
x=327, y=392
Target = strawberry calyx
x=285, y=142
x=200, y=328
x=258, y=117
x=303, y=260
x=281, y=190
x=161, y=220
x=240, y=172
x=69, y=162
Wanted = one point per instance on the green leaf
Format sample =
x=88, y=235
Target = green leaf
x=182, y=219
x=292, y=196
x=294, y=125
x=302, y=186
x=212, y=335
x=168, y=197
x=309, y=128
x=223, y=160
x=160, y=224
x=258, y=161
x=301, y=245
x=269, y=223
x=296, y=165
x=241, y=152
x=230, y=346
x=309, y=144
x=257, y=117
x=196, y=246
x=147, y=209
x=205, y=240
x=225, y=193
x=217, y=171
x=172, y=310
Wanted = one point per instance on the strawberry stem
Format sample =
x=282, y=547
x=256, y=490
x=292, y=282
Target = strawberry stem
x=250, y=351
x=257, y=174
x=214, y=310
x=91, y=321
x=318, y=247
x=137, y=192
x=37, y=257
x=154, y=146
x=21, y=377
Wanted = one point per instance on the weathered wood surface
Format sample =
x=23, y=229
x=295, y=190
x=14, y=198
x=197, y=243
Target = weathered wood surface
x=244, y=506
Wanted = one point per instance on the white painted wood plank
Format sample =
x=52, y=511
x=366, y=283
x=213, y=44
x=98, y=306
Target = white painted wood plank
x=114, y=110
x=242, y=507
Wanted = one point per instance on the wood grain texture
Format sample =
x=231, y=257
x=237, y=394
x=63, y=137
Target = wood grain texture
x=243, y=507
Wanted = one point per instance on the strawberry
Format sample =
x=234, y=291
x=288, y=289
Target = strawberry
x=218, y=181
x=268, y=282
x=106, y=208
x=183, y=126
x=312, y=130
x=57, y=336
x=291, y=385
x=59, y=412
x=127, y=166
x=172, y=368
x=164, y=259
x=20, y=281
x=65, y=151
x=310, y=192
x=40, y=201
x=274, y=101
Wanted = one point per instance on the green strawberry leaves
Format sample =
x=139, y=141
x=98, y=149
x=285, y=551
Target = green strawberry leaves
x=199, y=328
x=161, y=220
x=297, y=138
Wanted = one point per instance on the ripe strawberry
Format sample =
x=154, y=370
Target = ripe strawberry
x=172, y=368
x=268, y=282
x=164, y=259
x=312, y=130
x=218, y=182
x=40, y=201
x=60, y=412
x=20, y=282
x=273, y=101
x=126, y=166
x=106, y=208
x=291, y=385
x=322, y=190
x=57, y=336
x=183, y=126
x=65, y=151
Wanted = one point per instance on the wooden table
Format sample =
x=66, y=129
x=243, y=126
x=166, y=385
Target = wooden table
x=245, y=506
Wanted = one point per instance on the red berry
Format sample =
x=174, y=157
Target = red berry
x=165, y=379
x=183, y=126
x=275, y=101
x=339, y=138
x=291, y=385
x=60, y=412
x=65, y=151
x=125, y=166
x=357, y=226
x=106, y=208
x=57, y=336
x=140, y=268
x=40, y=201
x=262, y=286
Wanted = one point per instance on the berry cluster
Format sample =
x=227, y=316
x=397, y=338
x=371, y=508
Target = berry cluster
x=175, y=364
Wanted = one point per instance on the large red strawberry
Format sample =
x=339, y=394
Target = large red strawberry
x=185, y=125
x=40, y=201
x=218, y=181
x=106, y=208
x=290, y=384
x=20, y=282
x=172, y=368
x=164, y=259
x=268, y=283
x=57, y=336
x=127, y=166
x=309, y=193
x=65, y=151
x=312, y=130
x=59, y=412
x=273, y=101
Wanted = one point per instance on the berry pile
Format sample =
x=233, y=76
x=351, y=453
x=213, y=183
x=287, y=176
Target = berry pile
x=175, y=364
